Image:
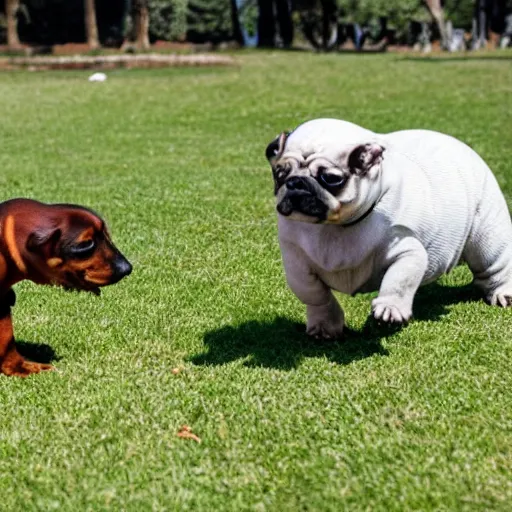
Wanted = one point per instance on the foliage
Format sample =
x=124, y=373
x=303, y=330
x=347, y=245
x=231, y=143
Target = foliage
x=43, y=21
x=40, y=21
x=209, y=20
x=168, y=19
x=319, y=20
x=460, y=12
x=398, y=12
x=248, y=13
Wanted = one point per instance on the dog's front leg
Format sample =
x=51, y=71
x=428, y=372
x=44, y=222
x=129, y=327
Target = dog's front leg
x=325, y=321
x=408, y=261
x=325, y=318
x=11, y=361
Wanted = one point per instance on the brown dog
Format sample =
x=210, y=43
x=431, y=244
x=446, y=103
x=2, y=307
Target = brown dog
x=56, y=244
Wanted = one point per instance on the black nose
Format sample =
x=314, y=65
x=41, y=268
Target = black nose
x=121, y=268
x=296, y=183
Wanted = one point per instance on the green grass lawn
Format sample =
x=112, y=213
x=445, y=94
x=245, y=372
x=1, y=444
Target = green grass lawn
x=419, y=419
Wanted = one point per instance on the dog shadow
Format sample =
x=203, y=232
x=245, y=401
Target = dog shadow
x=283, y=344
x=432, y=301
x=37, y=352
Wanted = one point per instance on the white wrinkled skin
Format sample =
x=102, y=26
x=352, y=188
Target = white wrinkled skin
x=438, y=203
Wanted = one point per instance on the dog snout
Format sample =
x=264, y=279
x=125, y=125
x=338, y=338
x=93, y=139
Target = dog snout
x=285, y=207
x=296, y=183
x=120, y=268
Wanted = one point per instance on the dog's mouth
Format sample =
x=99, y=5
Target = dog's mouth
x=94, y=290
x=76, y=283
x=302, y=198
x=304, y=203
x=92, y=281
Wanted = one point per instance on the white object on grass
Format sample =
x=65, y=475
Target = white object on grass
x=98, y=77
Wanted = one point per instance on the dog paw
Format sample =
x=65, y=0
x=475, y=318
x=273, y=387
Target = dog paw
x=25, y=368
x=325, y=331
x=391, y=311
x=502, y=299
x=325, y=322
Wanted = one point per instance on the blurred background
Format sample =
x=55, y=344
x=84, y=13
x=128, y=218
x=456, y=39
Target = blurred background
x=60, y=26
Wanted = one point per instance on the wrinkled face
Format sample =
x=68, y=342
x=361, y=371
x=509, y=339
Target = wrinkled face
x=327, y=186
x=77, y=251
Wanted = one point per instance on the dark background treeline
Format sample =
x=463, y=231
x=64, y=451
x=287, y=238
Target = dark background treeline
x=62, y=21
x=269, y=22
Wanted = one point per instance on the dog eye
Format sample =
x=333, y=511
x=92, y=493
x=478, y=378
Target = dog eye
x=83, y=249
x=280, y=172
x=332, y=180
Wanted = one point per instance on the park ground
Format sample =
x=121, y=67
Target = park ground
x=205, y=332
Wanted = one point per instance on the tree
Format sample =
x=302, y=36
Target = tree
x=435, y=8
x=284, y=22
x=274, y=14
x=460, y=12
x=91, y=27
x=168, y=19
x=11, y=13
x=266, y=24
x=209, y=21
x=319, y=22
x=141, y=23
x=138, y=35
x=398, y=13
x=237, y=29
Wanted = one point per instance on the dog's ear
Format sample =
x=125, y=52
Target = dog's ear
x=363, y=157
x=43, y=238
x=276, y=147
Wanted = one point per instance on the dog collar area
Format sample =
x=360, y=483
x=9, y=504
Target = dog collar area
x=359, y=219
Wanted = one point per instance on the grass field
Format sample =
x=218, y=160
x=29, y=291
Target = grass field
x=419, y=419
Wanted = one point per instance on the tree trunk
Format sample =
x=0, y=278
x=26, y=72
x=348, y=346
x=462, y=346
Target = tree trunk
x=91, y=26
x=237, y=29
x=320, y=24
x=329, y=24
x=266, y=24
x=141, y=24
x=285, y=22
x=480, y=25
x=11, y=11
x=435, y=8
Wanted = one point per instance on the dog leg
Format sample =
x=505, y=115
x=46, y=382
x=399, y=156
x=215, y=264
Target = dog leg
x=496, y=283
x=325, y=318
x=11, y=361
x=408, y=263
x=488, y=251
x=325, y=321
x=13, y=364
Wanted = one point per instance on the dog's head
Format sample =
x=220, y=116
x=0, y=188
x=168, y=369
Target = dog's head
x=62, y=244
x=326, y=171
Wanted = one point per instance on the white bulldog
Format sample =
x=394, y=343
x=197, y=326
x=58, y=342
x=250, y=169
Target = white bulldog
x=360, y=211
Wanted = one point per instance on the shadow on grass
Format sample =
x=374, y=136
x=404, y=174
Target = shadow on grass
x=37, y=352
x=283, y=344
x=432, y=301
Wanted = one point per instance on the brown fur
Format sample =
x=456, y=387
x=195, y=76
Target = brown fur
x=57, y=244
